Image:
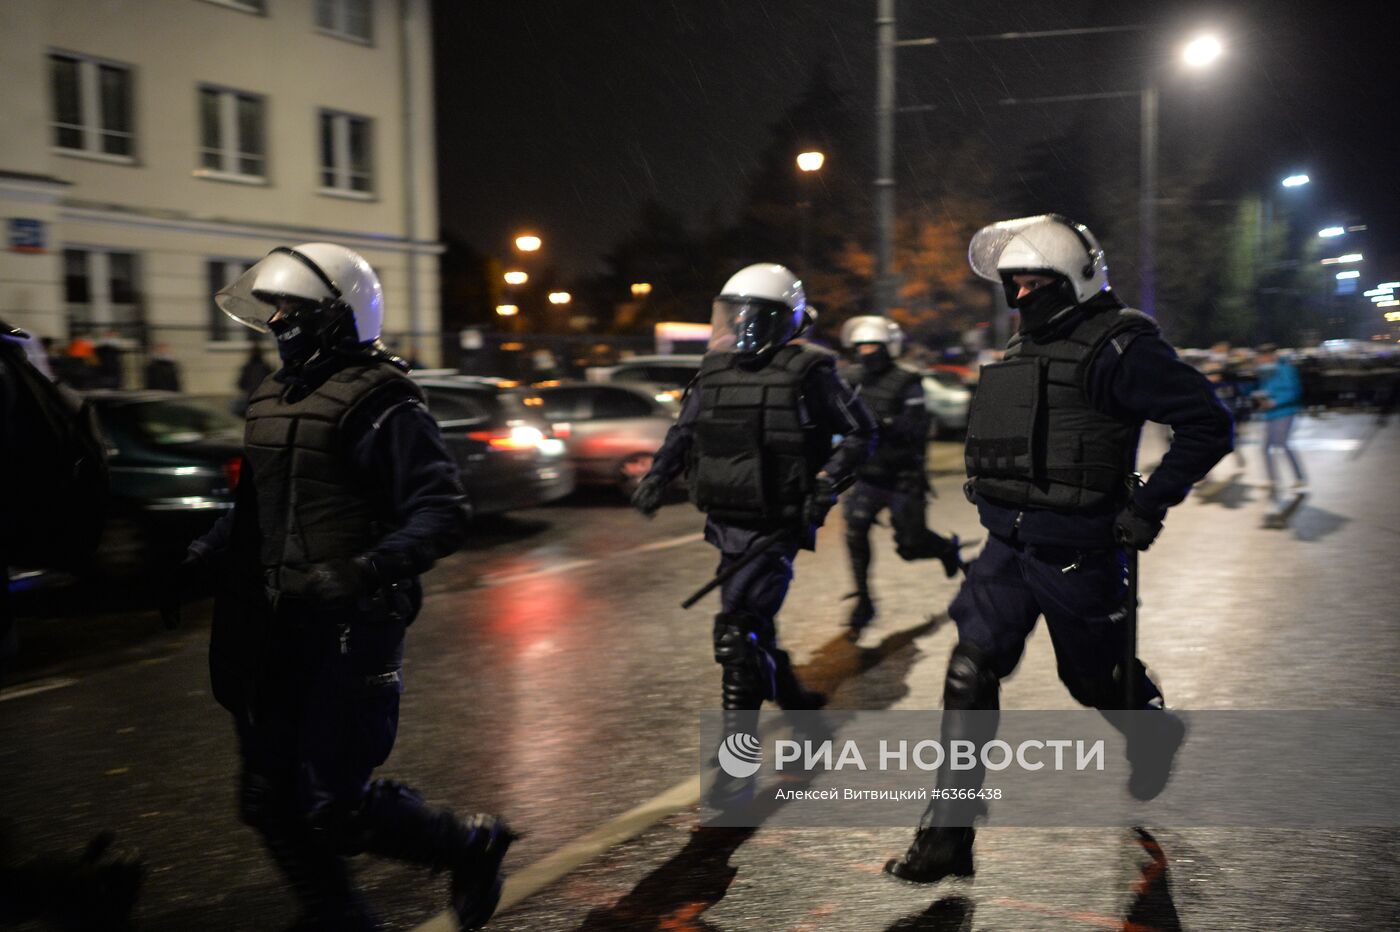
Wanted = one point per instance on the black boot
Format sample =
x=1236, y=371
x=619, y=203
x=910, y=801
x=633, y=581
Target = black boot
x=1153, y=740
x=935, y=853
x=791, y=695
x=95, y=891
x=862, y=613
x=319, y=878
x=395, y=823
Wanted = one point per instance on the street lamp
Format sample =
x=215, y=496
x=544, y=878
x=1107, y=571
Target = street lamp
x=516, y=278
x=641, y=289
x=507, y=310
x=1295, y=181
x=528, y=242
x=1202, y=51
x=810, y=161
x=1329, y=232
x=560, y=297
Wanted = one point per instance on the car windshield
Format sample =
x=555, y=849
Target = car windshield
x=170, y=422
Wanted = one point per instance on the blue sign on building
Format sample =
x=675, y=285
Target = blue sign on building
x=26, y=235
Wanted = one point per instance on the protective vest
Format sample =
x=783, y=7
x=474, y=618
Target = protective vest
x=757, y=448
x=311, y=507
x=884, y=394
x=1034, y=440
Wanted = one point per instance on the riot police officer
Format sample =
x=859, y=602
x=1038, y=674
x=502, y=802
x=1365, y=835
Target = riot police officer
x=347, y=494
x=1051, y=444
x=894, y=477
x=754, y=439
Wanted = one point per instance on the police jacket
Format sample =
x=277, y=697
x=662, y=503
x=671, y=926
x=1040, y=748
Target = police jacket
x=895, y=396
x=753, y=435
x=1050, y=467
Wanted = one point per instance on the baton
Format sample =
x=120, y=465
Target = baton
x=756, y=549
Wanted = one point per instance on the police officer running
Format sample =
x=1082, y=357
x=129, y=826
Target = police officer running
x=1051, y=445
x=347, y=494
x=754, y=438
x=894, y=477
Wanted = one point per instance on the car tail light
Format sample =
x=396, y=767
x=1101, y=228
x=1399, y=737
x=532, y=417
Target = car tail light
x=562, y=431
x=233, y=471
x=513, y=438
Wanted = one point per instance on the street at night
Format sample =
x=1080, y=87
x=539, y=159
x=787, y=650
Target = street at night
x=553, y=678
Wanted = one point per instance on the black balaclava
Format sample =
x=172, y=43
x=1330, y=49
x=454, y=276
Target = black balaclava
x=877, y=362
x=298, y=336
x=1044, y=306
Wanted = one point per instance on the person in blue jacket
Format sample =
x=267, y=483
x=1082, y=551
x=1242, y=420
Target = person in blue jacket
x=1280, y=396
x=1051, y=448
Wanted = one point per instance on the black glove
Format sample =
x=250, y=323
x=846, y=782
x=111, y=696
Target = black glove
x=183, y=583
x=341, y=580
x=1136, y=527
x=648, y=496
x=819, y=501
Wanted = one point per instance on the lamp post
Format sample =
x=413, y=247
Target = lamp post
x=808, y=164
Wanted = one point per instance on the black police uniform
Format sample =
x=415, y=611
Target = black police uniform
x=339, y=464
x=752, y=436
x=1052, y=440
x=893, y=478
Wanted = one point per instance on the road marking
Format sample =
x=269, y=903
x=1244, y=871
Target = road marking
x=33, y=689
x=530, y=880
x=572, y=565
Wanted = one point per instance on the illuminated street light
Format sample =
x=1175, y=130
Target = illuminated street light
x=1389, y=285
x=641, y=289
x=810, y=161
x=563, y=297
x=1343, y=260
x=1345, y=275
x=527, y=242
x=1377, y=292
x=1295, y=181
x=1202, y=51
x=507, y=310
x=516, y=278
x=1391, y=303
x=1329, y=232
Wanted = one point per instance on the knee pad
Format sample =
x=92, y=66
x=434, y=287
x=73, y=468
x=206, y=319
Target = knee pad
x=741, y=649
x=971, y=682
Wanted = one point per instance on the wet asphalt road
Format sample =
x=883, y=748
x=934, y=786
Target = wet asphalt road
x=553, y=678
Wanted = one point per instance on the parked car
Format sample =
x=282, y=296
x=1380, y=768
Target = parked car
x=508, y=456
x=610, y=431
x=174, y=462
x=948, y=399
x=672, y=372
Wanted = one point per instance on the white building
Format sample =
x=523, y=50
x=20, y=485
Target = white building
x=151, y=149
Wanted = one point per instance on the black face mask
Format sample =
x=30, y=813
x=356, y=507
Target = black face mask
x=1042, y=306
x=297, y=339
x=877, y=361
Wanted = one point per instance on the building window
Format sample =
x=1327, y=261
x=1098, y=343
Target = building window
x=102, y=293
x=247, y=6
x=91, y=105
x=220, y=273
x=347, y=19
x=231, y=133
x=345, y=153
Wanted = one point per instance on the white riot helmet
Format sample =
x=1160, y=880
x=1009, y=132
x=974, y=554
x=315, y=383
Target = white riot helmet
x=1047, y=244
x=873, y=328
x=759, y=309
x=325, y=277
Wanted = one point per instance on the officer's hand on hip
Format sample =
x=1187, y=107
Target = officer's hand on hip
x=180, y=586
x=1135, y=527
x=647, y=498
x=819, y=501
x=341, y=580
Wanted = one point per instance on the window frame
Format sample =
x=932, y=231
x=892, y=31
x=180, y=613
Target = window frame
x=243, y=6
x=227, y=100
x=100, y=316
x=90, y=108
x=340, y=16
x=341, y=171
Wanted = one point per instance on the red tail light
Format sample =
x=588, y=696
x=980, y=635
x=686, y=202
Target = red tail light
x=233, y=471
x=562, y=431
x=513, y=438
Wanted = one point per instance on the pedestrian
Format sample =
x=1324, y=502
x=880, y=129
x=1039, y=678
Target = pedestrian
x=162, y=372
x=250, y=375
x=754, y=438
x=895, y=477
x=97, y=889
x=1051, y=445
x=1279, y=397
x=347, y=495
x=110, y=354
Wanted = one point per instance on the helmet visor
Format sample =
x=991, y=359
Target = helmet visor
x=283, y=274
x=750, y=325
x=239, y=301
x=988, y=243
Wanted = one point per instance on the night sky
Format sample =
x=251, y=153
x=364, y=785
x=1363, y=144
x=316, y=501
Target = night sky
x=565, y=115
